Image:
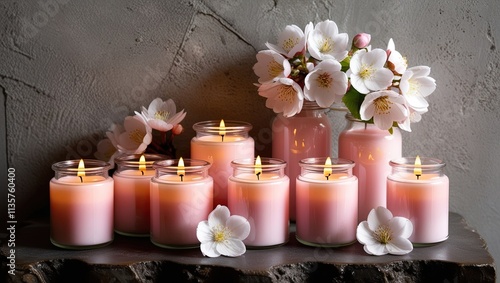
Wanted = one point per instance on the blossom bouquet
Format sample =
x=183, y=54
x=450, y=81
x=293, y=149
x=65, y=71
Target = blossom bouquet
x=375, y=85
x=152, y=130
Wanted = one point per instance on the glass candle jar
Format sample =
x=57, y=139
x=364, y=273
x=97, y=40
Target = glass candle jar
x=81, y=204
x=417, y=189
x=327, y=202
x=371, y=149
x=181, y=196
x=306, y=134
x=132, y=178
x=258, y=190
x=220, y=143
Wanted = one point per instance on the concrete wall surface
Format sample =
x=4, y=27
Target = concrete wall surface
x=68, y=69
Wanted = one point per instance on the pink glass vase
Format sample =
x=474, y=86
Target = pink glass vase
x=306, y=134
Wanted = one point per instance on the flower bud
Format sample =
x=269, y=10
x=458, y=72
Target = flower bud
x=177, y=129
x=361, y=40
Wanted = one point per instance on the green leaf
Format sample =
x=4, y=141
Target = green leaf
x=345, y=64
x=352, y=100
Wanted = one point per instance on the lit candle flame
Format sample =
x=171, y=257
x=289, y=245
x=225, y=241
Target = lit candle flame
x=142, y=164
x=258, y=167
x=328, y=169
x=222, y=129
x=81, y=170
x=418, y=167
x=180, y=169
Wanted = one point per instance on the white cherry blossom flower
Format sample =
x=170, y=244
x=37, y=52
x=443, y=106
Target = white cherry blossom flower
x=326, y=84
x=384, y=234
x=415, y=85
x=292, y=40
x=223, y=234
x=271, y=66
x=367, y=71
x=136, y=137
x=414, y=117
x=325, y=42
x=385, y=107
x=396, y=61
x=106, y=151
x=283, y=96
x=161, y=115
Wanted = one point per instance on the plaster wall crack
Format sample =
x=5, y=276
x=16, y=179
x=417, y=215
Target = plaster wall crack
x=33, y=87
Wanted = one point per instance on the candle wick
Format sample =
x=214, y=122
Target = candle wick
x=328, y=177
x=142, y=173
x=182, y=177
x=81, y=179
x=418, y=176
x=258, y=175
x=222, y=136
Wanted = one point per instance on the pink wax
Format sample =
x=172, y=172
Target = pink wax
x=264, y=203
x=132, y=202
x=305, y=136
x=425, y=202
x=81, y=213
x=177, y=208
x=220, y=153
x=327, y=210
x=371, y=149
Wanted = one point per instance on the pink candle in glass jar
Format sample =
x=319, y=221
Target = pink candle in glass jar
x=181, y=196
x=258, y=190
x=219, y=143
x=81, y=204
x=418, y=190
x=327, y=202
x=132, y=178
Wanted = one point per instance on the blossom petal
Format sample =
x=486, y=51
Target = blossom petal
x=401, y=227
x=231, y=247
x=203, y=232
x=239, y=227
x=378, y=216
x=209, y=249
x=364, y=235
x=376, y=249
x=399, y=246
x=219, y=216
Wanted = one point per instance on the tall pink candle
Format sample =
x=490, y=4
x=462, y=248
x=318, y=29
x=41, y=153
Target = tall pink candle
x=81, y=205
x=327, y=202
x=422, y=197
x=371, y=149
x=220, y=145
x=132, y=179
x=181, y=197
x=306, y=134
x=262, y=198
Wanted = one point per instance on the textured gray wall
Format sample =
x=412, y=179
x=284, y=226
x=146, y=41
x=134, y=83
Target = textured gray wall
x=70, y=68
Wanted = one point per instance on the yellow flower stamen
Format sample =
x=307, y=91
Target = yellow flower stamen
x=274, y=69
x=366, y=72
x=383, y=234
x=221, y=234
x=382, y=105
x=324, y=80
x=326, y=46
x=286, y=93
x=289, y=43
x=136, y=135
x=162, y=115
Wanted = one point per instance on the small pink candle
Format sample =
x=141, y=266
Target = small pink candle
x=327, y=202
x=219, y=143
x=181, y=196
x=258, y=190
x=81, y=204
x=420, y=192
x=132, y=179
